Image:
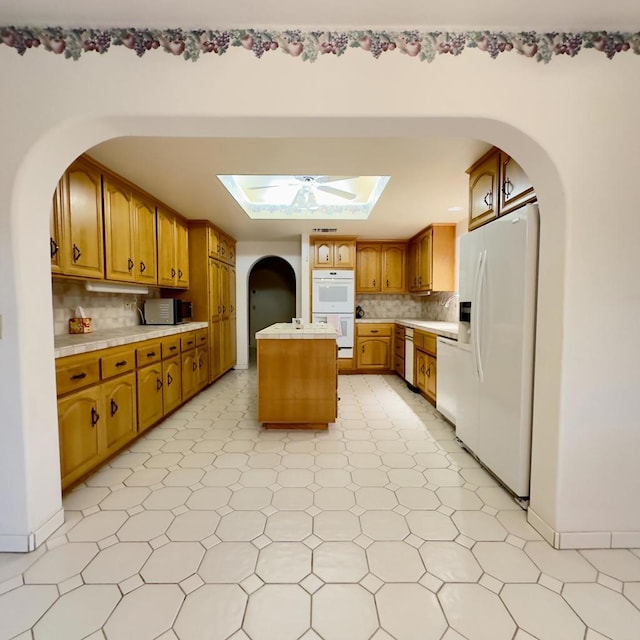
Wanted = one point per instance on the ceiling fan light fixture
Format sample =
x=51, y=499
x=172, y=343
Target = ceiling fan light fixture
x=279, y=197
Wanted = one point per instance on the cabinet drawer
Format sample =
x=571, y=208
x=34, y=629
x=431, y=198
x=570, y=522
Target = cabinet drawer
x=148, y=353
x=170, y=346
x=117, y=361
x=188, y=341
x=77, y=372
x=425, y=341
x=202, y=337
x=373, y=329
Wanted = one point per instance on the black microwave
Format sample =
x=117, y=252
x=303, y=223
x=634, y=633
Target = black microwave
x=167, y=311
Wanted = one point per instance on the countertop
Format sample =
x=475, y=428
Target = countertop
x=70, y=345
x=308, y=331
x=445, y=329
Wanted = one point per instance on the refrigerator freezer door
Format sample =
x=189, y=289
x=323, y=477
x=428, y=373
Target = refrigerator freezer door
x=468, y=398
x=506, y=348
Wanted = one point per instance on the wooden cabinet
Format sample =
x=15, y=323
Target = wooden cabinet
x=380, y=267
x=145, y=240
x=55, y=230
x=81, y=249
x=119, y=412
x=173, y=250
x=497, y=186
x=398, y=349
x=119, y=231
x=172, y=384
x=149, y=390
x=373, y=346
x=190, y=368
x=432, y=259
x=426, y=364
x=333, y=253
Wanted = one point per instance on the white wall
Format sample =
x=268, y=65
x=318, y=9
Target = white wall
x=572, y=125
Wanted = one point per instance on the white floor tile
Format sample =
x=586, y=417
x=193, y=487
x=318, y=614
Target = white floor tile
x=229, y=562
x=344, y=612
x=340, y=562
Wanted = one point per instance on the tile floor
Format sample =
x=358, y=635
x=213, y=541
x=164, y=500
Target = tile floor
x=381, y=528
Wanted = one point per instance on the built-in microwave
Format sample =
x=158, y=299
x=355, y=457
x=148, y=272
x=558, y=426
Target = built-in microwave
x=167, y=311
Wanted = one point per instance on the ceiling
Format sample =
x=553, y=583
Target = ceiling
x=427, y=174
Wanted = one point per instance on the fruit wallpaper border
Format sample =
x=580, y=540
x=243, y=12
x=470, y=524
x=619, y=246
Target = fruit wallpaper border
x=309, y=45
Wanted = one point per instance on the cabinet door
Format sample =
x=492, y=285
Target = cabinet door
x=215, y=350
x=483, y=190
x=78, y=424
x=213, y=242
x=223, y=253
x=182, y=254
x=393, y=268
x=373, y=353
x=55, y=230
x=215, y=302
x=414, y=264
x=149, y=396
x=420, y=370
x=431, y=373
x=119, y=231
x=226, y=345
x=146, y=269
x=368, y=268
x=425, y=276
x=82, y=253
x=202, y=359
x=232, y=292
x=167, y=273
x=189, y=374
x=119, y=411
x=224, y=285
x=344, y=254
x=322, y=253
x=232, y=251
x=515, y=186
x=172, y=389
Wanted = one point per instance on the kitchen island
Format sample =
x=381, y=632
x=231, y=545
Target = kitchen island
x=297, y=376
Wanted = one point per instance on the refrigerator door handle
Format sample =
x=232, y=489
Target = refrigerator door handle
x=477, y=315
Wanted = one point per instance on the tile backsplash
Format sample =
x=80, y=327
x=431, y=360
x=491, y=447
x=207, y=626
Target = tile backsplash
x=106, y=309
x=441, y=305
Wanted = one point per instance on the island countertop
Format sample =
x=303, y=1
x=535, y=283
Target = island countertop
x=308, y=331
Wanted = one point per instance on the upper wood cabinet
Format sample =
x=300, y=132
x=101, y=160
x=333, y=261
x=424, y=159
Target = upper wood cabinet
x=432, y=260
x=381, y=267
x=497, y=185
x=81, y=249
x=173, y=250
x=333, y=253
x=119, y=231
x=145, y=240
x=55, y=230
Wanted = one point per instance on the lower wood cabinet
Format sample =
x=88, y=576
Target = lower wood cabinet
x=426, y=369
x=374, y=346
x=107, y=397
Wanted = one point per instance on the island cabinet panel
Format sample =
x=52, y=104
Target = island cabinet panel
x=297, y=383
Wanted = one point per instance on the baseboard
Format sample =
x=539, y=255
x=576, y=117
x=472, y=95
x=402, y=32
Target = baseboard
x=583, y=539
x=31, y=541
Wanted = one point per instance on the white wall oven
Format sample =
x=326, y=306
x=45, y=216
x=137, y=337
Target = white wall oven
x=333, y=291
x=333, y=301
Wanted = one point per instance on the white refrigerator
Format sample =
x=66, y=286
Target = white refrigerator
x=498, y=278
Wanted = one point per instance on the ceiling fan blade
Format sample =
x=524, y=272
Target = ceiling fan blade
x=338, y=192
x=325, y=179
x=273, y=186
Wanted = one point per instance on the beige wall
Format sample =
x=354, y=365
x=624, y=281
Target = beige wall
x=572, y=125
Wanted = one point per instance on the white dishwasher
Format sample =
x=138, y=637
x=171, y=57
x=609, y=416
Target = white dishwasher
x=447, y=389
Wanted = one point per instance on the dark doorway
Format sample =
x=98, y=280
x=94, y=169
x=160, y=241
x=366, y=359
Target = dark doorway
x=272, y=296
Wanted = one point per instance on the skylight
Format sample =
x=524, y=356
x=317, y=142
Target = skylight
x=307, y=197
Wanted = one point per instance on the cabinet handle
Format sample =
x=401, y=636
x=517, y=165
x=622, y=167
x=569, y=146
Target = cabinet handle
x=428, y=372
x=374, y=283
x=419, y=281
x=194, y=366
x=95, y=416
x=158, y=384
x=179, y=274
x=232, y=308
x=200, y=363
x=219, y=309
x=488, y=199
x=173, y=273
x=130, y=264
x=54, y=247
x=169, y=379
x=76, y=253
x=151, y=354
x=507, y=188
x=173, y=348
x=121, y=363
x=224, y=309
x=143, y=267
x=374, y=331
x=114, y=407
x=189, y=341
x=387, y=284
x=362, y=348
x=79, y=376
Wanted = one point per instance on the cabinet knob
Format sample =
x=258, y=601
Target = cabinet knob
x=54, y=247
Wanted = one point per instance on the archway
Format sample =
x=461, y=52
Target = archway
x=271, y=296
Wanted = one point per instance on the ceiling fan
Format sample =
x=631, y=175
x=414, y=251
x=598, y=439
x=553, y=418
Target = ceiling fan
x=306, y=185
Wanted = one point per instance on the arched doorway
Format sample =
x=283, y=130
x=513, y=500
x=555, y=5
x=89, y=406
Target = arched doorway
x=271, y=296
